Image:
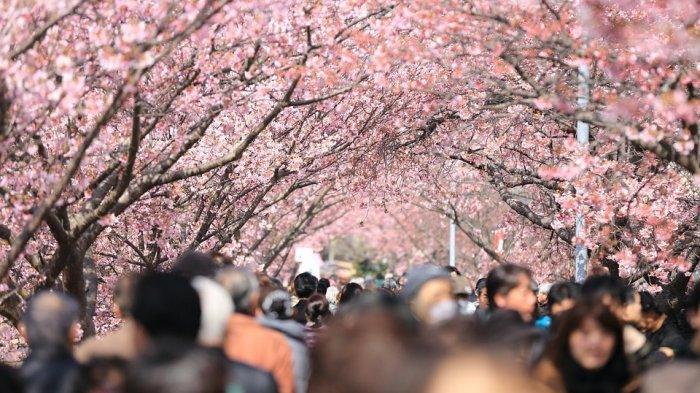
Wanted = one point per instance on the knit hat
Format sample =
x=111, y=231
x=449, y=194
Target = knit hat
x=418, y=276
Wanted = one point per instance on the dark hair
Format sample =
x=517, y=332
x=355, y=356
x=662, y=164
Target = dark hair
x=502, y=279
x=124, y=292
x=10, y=381
x=562, y=291
x=166, y=304
x=177, y=367
x=596, y=287
x=390, y=285
x=323, y=285
x=276, y=282
x=299, y=311
x=452, y=269
x=318, y=309
x=613, y=376
x=350, y=291
x=649, y=304
x=193, y=264
x=480, y=285
x=305, y=285
x=275, y=303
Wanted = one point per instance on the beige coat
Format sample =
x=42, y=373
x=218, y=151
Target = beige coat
x=119, y=343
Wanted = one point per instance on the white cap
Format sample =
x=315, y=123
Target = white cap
x=544, y=288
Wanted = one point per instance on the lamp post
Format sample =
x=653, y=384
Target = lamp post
x=582, y=134
x=453, y=229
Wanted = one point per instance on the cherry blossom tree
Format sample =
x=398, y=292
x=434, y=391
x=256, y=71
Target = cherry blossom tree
x=504, y=80
x=134, y=130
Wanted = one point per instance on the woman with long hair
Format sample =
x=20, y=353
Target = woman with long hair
x=586, y=355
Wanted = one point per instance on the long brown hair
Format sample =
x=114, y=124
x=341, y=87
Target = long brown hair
x=613, y=375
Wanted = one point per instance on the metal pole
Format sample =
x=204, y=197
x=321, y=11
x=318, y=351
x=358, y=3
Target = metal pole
x=453, y=230
x=582, y=132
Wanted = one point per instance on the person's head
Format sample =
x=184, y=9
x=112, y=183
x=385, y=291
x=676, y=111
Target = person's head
x=51, y=320
x=563, y=296
x=510, y=287
x=607, y=290
x=123, y=294
x=481, y=294
x=193, y=264
x=305, y=285
x=177, y=367
x=166, y=305
x=542, y=292
x=217, y=306
x=452, y=271
x=589, y=341
x=350, y=291
x=275, y=303
x=651, y=313
x=323, y=285
x=317, y=309
x=631, y=310
x=428, y=290
x=243, y=287
x=390, y=285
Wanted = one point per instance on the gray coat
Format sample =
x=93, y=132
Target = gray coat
x=295, y=335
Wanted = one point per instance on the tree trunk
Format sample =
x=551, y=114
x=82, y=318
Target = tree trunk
x=75, y=285
x=92, y=282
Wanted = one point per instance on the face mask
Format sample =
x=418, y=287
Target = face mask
x=443, y=311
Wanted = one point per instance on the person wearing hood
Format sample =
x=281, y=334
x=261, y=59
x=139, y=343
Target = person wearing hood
x=276, y=307
x=428, y=291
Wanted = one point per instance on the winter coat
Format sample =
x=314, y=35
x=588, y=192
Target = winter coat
x=249, y=379
x=249, y=342
x=296, y=335
x=119, y=343
x=50, y=370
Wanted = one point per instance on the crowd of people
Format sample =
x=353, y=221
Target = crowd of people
x=208, y=327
